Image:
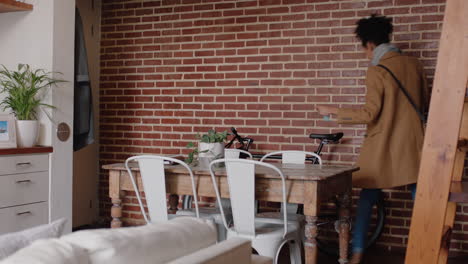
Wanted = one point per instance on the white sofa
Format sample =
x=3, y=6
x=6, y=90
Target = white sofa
x=183, y=240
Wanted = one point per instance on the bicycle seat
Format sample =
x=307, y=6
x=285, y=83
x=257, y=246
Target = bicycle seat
x=329, y=137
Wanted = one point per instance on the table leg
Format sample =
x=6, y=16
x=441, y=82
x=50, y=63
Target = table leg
x=311, y=232
x=173, y=203
x=115, y=194
x=344, y=212
x=116, y=210
x=311, y=211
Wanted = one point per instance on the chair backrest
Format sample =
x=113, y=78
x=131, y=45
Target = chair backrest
x=153, y=177
x=235, y=153
x=232, y=153
x=241, y=181
x=293, y=156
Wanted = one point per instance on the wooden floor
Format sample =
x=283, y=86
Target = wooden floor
x=387, y=258
x=376, y=256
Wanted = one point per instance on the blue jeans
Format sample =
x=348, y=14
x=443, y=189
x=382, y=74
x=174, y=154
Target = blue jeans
x=367, y=199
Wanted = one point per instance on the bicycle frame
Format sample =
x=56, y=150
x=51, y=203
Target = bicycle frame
x=245, y=143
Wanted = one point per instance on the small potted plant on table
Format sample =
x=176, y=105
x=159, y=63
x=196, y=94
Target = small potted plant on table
x=24, y=90
x=210, y=147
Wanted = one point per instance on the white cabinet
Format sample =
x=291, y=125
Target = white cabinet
x=20, y=217
x=24, y=188
x=24, y=191
x=24, y=163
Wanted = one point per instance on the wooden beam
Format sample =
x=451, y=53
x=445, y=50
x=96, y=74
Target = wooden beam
x=464, y=124
x=14, y=6
x=458, y=193
x=440, y=144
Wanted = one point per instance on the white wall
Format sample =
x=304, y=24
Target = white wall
x=86, y=160
x=27, y=37
x=44, y=38
x=63, y=61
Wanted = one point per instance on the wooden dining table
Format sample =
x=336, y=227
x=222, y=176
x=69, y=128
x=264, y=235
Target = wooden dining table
x=306, y=184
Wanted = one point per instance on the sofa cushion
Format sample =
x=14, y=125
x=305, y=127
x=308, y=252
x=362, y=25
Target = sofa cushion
x=49, y=251
x=12, y=242
x=231, y=251
x=152, y=243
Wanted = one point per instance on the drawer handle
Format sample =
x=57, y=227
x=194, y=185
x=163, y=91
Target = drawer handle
x=24, y=181
x=23, y=164
x=24, y=213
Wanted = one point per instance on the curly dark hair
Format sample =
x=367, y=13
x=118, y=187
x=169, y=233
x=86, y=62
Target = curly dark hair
x=375, y=29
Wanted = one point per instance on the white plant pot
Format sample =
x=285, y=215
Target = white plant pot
x=214, y=150
x=27, y=132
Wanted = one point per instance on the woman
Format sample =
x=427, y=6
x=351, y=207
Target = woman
x=391, y=151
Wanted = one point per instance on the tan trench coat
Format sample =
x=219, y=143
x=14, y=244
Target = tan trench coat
x=391, y=151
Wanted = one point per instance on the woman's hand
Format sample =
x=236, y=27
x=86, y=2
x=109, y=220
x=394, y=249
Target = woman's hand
x=327, y=110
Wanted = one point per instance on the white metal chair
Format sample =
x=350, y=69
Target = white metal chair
x=235, y=153
x=267, y=238
x=292, y=157
x=228, y=153
x=154, y=183
x=231, y=153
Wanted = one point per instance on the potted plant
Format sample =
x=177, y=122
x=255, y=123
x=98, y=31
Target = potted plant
x=24, y=90
x=210, y=146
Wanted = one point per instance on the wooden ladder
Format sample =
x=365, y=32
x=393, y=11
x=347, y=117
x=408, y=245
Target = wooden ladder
x=440, y=184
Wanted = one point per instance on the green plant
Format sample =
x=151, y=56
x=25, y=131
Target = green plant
x=211, y=137
x=192, y=154
x=24, y=89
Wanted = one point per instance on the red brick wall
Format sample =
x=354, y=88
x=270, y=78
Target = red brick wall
x=174, y=68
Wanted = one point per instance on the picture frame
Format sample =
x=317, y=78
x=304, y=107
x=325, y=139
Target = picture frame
x=7, y=131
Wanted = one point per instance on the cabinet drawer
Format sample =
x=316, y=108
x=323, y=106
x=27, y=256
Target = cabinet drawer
x=23, y=163
x=17, y=218
x=25, y=188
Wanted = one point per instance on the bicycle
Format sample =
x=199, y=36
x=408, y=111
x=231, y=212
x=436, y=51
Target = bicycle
x=328, y=246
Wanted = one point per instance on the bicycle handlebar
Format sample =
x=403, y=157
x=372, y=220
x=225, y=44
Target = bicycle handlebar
x=324, y=139
x=234, y=131
x=245, y=142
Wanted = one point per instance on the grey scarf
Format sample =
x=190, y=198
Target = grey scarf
x=380, y=51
